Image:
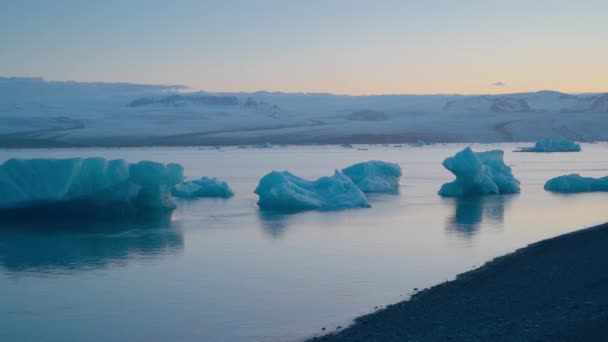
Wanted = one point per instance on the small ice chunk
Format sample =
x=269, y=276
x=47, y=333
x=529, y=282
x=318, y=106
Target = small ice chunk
x=479, y=173
x=204, y=187
x=552, y=145
x=265, y=145
x=284, y=191
x=94, y=183
x=420, y=143
x=574, y=183
x=375, y=176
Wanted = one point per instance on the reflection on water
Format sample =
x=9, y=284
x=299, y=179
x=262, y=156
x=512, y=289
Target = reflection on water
x=274, y=224
x=247, y=275
x=470, y=212
x=71, y=246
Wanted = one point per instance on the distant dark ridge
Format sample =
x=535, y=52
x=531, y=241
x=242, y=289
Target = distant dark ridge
x=179, y=99
x=510, y=105
x=600, y=105
x=367, y=115
x=494, y=103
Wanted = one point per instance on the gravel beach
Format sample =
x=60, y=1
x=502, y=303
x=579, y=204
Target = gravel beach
x=553, y=290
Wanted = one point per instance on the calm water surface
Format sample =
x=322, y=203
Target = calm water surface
x=220, y=270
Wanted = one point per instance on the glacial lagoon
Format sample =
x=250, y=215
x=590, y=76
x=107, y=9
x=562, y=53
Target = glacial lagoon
x=222, y=270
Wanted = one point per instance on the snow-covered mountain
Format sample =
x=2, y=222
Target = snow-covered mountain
x=487, y=103
x=35, y=112
x=544, y=101
x=600, y=104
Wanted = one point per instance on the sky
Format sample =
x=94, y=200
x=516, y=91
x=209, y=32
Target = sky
x=337, y=46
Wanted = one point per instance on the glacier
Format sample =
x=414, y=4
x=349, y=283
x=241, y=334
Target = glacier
x=41, y=113
x=283, y=191
x=204, y=187
x=552, y=145
x=478, y=174
x=94, y=184
x=375, y=176
x=575, y=183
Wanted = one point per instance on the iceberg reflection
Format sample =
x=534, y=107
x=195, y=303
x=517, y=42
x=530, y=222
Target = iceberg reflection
x=470, y=212
x=273, y=223
x=66, y=247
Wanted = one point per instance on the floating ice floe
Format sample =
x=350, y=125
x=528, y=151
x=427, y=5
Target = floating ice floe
x=204, y=187
x=552, y=145
x=284, y=191
x=574, y=183
x=420, y=143
x=265, y=145
x=478, y=174
x=91, y=183
x=375, y=176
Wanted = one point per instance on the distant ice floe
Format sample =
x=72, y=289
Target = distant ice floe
x=265, y=145
x=283, y=191
x=420, y=143
x=575, y=183
x=552, y=145
x=478, y=174
x=375, y=176
x=204, y=187
x=90, y=183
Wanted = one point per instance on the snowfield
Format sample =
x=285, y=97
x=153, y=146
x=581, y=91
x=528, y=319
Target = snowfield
x=35, y=112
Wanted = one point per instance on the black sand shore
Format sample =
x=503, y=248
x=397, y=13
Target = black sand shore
x=553, y=290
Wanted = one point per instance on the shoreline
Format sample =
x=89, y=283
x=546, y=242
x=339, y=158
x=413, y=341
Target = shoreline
x=554, y=290
x=251, y=145
x=20, y=142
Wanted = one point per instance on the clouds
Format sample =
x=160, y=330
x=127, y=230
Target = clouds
x=499, y=84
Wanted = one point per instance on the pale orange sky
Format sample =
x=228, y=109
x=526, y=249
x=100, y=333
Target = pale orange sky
x=336, y=46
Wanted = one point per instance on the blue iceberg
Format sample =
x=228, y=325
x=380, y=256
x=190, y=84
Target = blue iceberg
x=283, y=191
x=552, y=145
x=375, y=176
x=204, y=187
x=575, y=183
x=479, y=174
x=91, y=183
x=420, y=143
x=264, y=145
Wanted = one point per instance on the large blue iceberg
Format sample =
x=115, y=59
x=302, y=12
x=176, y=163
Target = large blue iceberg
x=478, y=174
x=283, y=191
x=375, y=176
x=552, y=145
x=91, y=183
x=204, y=187
x=576, y=183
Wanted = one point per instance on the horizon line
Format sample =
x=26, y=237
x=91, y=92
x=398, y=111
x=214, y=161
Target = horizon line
x=195, y=90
